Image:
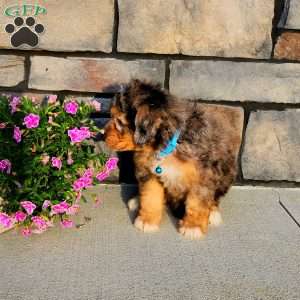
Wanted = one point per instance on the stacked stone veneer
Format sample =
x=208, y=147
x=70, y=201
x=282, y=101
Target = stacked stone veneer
x=237, y=53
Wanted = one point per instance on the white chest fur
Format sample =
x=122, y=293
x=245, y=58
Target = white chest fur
x=172, y=174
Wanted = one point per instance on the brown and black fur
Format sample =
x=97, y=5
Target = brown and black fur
x=196, y=174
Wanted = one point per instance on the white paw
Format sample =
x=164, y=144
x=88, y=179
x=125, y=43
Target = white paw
x=145, y=227
x=133, y=204
x=191, y=233
x=215, y=218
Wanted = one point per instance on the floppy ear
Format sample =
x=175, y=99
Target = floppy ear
x=147, y=123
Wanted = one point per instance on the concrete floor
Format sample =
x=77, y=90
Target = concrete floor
x=255, y=254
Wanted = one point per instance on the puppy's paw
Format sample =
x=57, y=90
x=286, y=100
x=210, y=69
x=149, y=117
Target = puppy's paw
x=215, y=218
x=133, y=204
x=191, y=233
x=145, y=227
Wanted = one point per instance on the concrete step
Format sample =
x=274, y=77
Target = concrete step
x=253, y=255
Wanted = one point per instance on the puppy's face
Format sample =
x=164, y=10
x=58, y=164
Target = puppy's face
x=118, y=132
x=137, y=115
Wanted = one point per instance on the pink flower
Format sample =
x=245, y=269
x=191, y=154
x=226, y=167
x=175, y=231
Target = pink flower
x=71, y=107
x=46, y=204
x=52, y=99
x=60, y=208
x=88, y=181
x=56, y=162
x=78, y=135
x=32, y=121
x=50, y=120
x=45, y=159
x=20, y=216
x=85, y=131
x=14, y=104
x=102, y=175
x=96, y=105
x=28, y=206
x=5, y=166
x=39, y=222
x=82, y=182
x=43, y=228
x=17, y=134
x=112, y=163
x=73, y=210
x=26, y=232
x=66, y=224
x=70, y=161
x=88, y=173
x=2, y=125
x=5, y=220
x=78, y=185
x=75, y=135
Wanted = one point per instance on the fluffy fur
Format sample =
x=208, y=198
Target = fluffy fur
x=196, y=174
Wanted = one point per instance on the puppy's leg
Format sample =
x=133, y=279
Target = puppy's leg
x=133, y=204
x=195, y=222
x=215, y=218
x=151, y=206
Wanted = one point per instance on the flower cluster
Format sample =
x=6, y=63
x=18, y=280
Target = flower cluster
x=85, y=181
x=46, y=162
x=78, y=135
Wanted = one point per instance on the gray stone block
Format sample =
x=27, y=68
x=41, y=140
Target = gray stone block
x=70, y=25
x=231, y=28
x=272, y=146
x=236, y=81
x=12, y=70
x=293, y=19
x=91, y=74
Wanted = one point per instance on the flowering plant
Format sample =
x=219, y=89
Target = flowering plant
x=47, y=158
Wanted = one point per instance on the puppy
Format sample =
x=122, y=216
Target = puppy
x=185, y=154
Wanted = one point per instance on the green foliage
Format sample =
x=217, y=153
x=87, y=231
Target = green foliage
x=32, y=177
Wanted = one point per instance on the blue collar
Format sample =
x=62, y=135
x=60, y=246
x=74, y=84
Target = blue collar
x=171, y=146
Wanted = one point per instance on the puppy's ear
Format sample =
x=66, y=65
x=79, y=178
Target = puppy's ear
x=120, y=102
x=147, y=123
x=148, y=93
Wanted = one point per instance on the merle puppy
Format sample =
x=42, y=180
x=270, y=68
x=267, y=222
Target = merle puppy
x=185, y=154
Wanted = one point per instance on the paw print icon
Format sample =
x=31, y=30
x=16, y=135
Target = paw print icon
x=24, y=32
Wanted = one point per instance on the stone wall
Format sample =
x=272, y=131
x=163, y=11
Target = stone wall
x=244, y=54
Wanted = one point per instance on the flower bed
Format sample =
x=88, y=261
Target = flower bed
x=47, y=158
